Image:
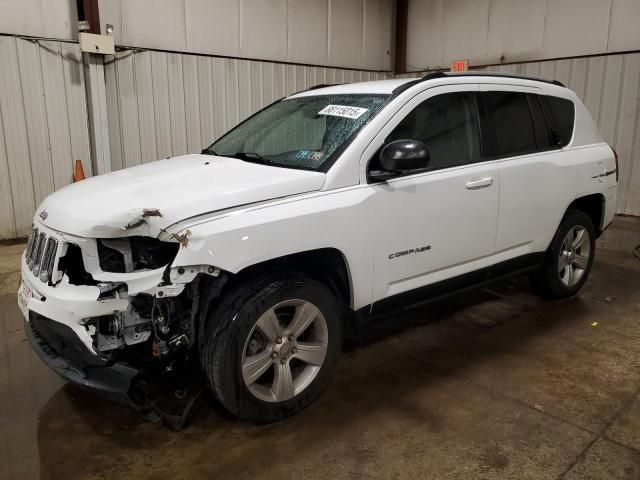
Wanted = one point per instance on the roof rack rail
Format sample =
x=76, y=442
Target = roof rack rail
x=323, y=85
x=475, y=73
x=472, y=73
x=434, y=75
x=405, y=86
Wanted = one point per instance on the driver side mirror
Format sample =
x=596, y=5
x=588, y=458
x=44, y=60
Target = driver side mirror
x=400, y=157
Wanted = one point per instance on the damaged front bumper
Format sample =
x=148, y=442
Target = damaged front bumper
x=171, y=401
x=56, y=327
x=150, y=322
x=59, y=348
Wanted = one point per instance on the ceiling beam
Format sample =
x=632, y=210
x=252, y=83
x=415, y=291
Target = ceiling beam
x=402, y=16
x=88, y=10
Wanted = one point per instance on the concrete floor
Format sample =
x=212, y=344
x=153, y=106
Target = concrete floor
x=495, y=384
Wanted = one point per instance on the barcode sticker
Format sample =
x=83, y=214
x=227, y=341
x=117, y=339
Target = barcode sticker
x=342, y=111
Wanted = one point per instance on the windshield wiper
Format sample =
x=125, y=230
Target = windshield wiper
x=208, y=151
x=252, y=157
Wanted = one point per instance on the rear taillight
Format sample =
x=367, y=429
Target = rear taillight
x=615, y=155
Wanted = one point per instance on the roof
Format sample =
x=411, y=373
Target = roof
x=387, y=87
x=378, y=86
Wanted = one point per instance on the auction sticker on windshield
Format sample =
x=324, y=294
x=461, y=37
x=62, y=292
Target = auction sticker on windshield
x=342, y=111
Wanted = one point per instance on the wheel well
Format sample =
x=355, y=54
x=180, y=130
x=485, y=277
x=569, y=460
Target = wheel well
x=326, y=265
x=592, y=205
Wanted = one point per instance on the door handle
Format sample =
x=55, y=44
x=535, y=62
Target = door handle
x=480, y=183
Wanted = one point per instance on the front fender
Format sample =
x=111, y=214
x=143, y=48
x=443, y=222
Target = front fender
x=335, y=219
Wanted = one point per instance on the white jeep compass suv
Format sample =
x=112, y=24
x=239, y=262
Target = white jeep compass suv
x=251, y=261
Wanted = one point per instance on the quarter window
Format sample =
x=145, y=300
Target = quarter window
x=448, y=125
x=509, y=124
x=560, y=115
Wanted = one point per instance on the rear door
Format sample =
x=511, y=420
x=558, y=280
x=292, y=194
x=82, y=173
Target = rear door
x=535, y=176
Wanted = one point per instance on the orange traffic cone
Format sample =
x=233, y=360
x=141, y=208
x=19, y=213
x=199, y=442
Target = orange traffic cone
x=79, y=173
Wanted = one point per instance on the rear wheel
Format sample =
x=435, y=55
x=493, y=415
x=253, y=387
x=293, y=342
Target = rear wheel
x=569, y=258
x=271, y=346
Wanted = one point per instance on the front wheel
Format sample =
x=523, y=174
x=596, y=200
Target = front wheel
x=271, y=346
x=569, y=258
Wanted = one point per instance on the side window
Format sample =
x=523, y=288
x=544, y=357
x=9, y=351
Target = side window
x=448, y=125
x=560, y=116
x=543, y=138
x=509, y=125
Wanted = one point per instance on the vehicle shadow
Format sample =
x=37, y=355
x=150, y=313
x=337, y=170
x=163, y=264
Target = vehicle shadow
x=400, y=358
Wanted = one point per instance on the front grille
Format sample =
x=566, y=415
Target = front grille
x=41, y=254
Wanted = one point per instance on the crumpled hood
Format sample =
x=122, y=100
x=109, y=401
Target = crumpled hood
x=145, y=199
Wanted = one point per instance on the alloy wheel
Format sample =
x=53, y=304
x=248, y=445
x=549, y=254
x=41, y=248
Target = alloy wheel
x=284, y=350
x=574, y=255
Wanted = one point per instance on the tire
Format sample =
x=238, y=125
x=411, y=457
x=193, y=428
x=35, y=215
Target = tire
x=244, y=330
x=568, y=259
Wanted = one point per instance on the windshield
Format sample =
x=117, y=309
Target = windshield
x=301, y=132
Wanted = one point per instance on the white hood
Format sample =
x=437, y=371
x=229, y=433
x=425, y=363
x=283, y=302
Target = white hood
x=145, y=199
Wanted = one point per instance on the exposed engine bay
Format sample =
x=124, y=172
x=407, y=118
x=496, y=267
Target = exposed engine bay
x=149, y=311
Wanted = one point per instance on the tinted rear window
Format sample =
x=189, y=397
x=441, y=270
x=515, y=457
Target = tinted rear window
x=560, y=115
x=510, y=125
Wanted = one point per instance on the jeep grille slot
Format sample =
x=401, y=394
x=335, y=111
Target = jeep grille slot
x=41, y=254
x=31, y=244
x=37, y=256
x=48, y=259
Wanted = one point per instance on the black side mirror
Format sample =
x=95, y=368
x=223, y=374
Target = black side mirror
x=399, y=157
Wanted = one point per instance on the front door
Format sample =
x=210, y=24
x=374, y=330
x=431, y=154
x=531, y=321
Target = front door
x=440, y=223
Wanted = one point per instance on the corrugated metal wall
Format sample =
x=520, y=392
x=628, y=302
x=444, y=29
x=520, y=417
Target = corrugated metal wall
x=336, y=33
x=507, y=31
x=165, y=104
x=609, y=86
x=43, y=125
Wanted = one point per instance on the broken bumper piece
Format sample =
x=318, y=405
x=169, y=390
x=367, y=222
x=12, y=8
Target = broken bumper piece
x=59, y=347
